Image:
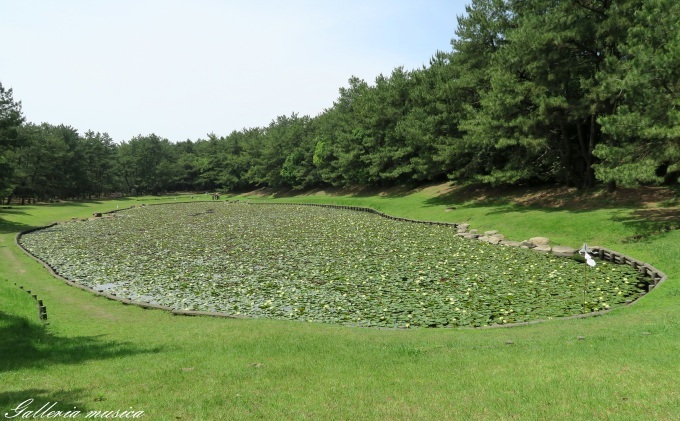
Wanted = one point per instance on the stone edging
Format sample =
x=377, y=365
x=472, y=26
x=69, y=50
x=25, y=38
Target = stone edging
x=42, y=309
x=655, y=275
x=645, y=269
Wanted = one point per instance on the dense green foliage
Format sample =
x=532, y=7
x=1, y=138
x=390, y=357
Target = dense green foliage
x=10, y=121
x=570, y=91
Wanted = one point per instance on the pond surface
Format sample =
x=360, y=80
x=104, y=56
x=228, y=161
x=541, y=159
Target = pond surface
x=322, y=264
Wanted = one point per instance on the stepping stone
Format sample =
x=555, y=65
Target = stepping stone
x=542, y=248
x=539, y=241
x=496, y=238
x=563, y=251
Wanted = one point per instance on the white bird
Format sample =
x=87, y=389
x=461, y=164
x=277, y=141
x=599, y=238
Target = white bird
x=584, y=251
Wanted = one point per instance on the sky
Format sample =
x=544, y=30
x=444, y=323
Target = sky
x=184, y=69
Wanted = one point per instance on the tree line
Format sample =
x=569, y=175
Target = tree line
x=574, y=92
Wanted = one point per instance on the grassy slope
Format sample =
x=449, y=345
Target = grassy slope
x=102, y=355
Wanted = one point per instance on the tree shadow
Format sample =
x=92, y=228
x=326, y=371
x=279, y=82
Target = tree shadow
x=26, y=344
x=33, y=399
x=353, y=191
x=387, y=192
x=472, y=195
x=8, y=227
x=11, y=210
x=516, y=198
x=650, y=222
x=648, y=210
x=66, y=203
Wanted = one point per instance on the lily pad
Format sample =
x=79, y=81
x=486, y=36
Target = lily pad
x=322, y=264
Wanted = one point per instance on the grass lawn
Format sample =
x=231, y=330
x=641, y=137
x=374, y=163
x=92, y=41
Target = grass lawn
x=100, y=355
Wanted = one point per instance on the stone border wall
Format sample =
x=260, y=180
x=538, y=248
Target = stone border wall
x=655, y=275
x=42, y=309
x=646, y=270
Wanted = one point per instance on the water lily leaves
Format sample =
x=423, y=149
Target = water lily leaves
x=321, y=264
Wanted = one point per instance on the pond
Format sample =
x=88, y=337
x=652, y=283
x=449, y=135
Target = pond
x=322, y=264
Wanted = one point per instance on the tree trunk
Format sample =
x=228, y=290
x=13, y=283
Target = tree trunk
x=611, y=186
x=587, y=146
x=582, y=149
x=590, y=173
x=566, y=154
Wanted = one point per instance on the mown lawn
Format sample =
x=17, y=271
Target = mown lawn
x=97, y=354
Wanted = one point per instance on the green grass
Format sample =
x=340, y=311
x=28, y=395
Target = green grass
x=97, y=354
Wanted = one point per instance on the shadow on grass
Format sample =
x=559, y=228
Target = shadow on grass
x=513, y=198
x=356, y=191
x=24, y=344
x=19, y=206
x=650, y=222
x=11, y=403
x=11, y=210
x=79, y=202
x=8, y=227
x=648, y=211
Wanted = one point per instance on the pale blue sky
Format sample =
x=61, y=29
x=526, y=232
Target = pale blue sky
x=182, y=69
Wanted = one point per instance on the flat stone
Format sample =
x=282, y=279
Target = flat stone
x=463, y=226
x=542, y=248
x=474, y=231
x=539, y=241
x=527, y=244
x=495, y=239
x=490, y=233
x=484, y=238
x=563, y=251
x=509, y=243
